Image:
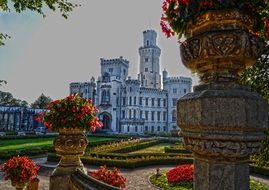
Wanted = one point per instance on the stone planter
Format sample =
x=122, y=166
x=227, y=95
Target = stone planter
x=70, y=145
x=222, y=122
x=19, y=186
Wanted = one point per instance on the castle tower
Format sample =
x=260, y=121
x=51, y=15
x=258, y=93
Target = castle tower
x=149, y=70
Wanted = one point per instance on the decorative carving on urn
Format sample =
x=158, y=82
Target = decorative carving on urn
x=222, y=122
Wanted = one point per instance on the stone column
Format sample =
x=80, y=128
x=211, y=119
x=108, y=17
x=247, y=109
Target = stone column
x=222, y=122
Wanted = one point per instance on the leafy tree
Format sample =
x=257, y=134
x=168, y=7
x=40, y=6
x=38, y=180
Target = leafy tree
x=2, y=82
x=257, y=78
x=41, y=102
x=37, y=6
x=7, y=99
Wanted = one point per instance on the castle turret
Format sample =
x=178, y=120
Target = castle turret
x=149, y=70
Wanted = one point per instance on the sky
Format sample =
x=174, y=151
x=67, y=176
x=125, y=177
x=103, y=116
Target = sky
x=45, y=54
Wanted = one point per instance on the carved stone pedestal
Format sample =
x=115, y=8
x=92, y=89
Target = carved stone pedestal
x=220, y=175
x=222, y=122
x=70, y=145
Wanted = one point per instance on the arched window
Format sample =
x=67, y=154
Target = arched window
x=105, y=96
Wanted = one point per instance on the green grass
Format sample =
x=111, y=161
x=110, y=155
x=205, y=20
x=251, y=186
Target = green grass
x=18, y=144
x=153, y=149
x=161, y=182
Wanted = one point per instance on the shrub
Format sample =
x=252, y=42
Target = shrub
x=181, y=173
x=111, y=177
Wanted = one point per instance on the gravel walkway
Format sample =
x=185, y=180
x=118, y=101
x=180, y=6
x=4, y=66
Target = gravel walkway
x=137, y=179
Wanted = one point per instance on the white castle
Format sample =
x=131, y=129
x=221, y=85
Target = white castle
x=146, y=104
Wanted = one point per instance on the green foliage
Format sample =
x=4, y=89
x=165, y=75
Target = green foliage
x=161, y=182
x=2, y=81
x=129, y=163
x=42, y=102
x=64, y=6
x=257, y=79
x=257, y=76
x=7, y=99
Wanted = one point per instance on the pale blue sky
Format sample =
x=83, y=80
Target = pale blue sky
x=45, y=55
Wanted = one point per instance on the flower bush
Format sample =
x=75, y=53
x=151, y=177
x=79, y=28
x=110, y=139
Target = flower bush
x=177, y=13
x=20, y=169
x=181, y=173
x=111, y=177
x=71, y=112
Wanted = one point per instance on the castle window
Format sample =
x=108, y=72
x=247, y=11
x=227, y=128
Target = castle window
x=140, y=101
x=128, y=128
x=135, y=128
x=152, y=116
x=147, y=42
x=174, y=90
x=185, y=91
x=130, y=101
x=146, y=128
x=152, y=128
x=174, y=115
x=174, y=101
x=130, y=89
x=152, y=101
x=146, y=69
x=130, y=114
x=141, y=114
x=147, y=101
x=146, y=115
x=124, y=71
x=110, y=70
x=135, y=100
x=134, y=114
x=146, y=60
x=158, y=115
x=123, y=114
x=164, y=102
x=123, y=101
x=159, y=101
x=105, y=96
x=159, y=128
x=164, y=116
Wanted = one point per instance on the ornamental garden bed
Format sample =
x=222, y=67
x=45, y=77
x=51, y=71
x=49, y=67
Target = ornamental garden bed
x=162, y=183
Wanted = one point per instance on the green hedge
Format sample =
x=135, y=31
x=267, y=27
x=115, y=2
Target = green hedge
x=176, y=150
x=129, y=163
x=119, y=156
x=26, y=137
x=33, y=151
x=135, y=147
x=259, y=170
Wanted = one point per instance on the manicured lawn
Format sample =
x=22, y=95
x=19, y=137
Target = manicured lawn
x=29, y=143
x=154, y=149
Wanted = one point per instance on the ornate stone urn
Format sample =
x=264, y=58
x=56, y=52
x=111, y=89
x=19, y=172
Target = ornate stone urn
x=19, y=186
x=222, y=122
x=70, y=145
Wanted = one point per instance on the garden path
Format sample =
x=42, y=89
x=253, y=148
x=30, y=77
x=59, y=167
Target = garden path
x=137, y=179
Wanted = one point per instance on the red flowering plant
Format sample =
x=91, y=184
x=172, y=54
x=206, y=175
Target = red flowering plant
x=19, y=169
x=181, y=173
x=111, y=177
x=70, y=112
x=177, y=13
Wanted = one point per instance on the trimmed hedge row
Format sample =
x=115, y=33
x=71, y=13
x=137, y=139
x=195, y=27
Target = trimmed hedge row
x=27, y=137
x=33, y=151
x=130, y=164
x=137, y=155
x=135, y=147
x=176, y=150
x=259, y=170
